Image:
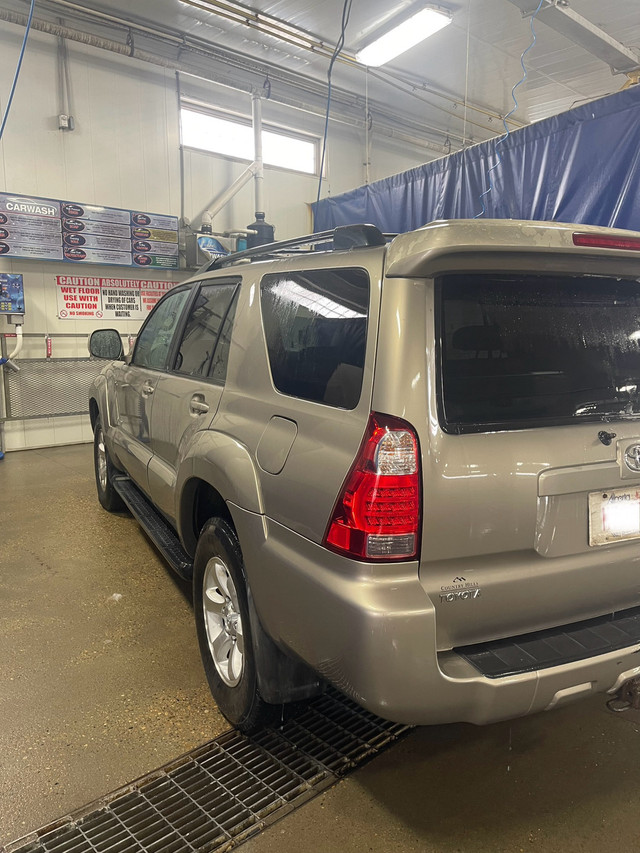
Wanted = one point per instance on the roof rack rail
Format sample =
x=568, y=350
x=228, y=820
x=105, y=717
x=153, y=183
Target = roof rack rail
x=343, y=237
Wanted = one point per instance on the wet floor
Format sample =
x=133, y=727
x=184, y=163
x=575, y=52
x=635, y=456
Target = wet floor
x=101, y=682
x=100, y=675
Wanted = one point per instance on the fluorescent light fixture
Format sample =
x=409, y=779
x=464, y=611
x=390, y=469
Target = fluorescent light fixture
x=407, y=34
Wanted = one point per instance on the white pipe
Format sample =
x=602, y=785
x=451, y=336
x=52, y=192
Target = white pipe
x=256, y=114
x=18, y=346
x=16, y=350
x=225, y=197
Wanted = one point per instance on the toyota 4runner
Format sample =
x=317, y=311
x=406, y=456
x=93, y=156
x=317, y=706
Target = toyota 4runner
x=408, y=467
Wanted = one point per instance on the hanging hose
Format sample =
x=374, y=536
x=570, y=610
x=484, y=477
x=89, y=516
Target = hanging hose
x=346, y=13
x=19, y=65
x=510, y=113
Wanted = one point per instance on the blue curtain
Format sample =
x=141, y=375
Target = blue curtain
x=581, y=166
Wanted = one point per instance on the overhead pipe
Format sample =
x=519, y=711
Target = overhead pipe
x=201, y=47
x=255, y=170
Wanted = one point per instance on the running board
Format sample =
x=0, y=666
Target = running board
x=159, y=531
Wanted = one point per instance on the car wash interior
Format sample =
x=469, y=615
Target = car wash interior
x=143, y=145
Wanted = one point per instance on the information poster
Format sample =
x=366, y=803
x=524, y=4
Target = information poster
x=93, y=298
x=48, y=230
x=11, y=294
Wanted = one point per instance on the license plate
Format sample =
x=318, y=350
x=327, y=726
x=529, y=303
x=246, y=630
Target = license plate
x=614, y=515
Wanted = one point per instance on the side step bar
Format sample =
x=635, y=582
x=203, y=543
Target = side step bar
x=154, y=525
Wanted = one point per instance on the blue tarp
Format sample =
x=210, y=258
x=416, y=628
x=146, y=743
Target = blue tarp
x=581, y=166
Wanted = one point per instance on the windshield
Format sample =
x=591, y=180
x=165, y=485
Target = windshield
x=517, y=350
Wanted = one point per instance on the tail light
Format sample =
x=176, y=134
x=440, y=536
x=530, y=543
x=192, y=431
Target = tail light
x=377, y=514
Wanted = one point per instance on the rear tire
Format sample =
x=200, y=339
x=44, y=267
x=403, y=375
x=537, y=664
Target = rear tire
x=224, y=628
x=107, y=495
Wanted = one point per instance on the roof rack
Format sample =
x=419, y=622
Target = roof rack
x=343, y=237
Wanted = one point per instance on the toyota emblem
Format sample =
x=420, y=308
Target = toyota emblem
x=632, y=457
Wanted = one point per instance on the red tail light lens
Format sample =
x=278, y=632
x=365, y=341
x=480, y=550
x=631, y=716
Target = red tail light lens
x=377, y=514
x=606, y=241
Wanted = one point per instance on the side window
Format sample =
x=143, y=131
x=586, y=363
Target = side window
x=202, y=330
x=154, y=341
x=316, y=331
x=221, y=354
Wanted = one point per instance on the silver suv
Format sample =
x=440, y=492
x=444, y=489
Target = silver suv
x=406, y=467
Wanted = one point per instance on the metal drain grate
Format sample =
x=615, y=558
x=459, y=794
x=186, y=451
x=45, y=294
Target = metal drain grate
x=221, y=793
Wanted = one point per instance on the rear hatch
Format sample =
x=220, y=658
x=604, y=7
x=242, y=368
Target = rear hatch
x=531, y=453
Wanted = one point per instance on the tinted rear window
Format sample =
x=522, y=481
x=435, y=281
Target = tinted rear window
x=521, y=350
x=316, y=330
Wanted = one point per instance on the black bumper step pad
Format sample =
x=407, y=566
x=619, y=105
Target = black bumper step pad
x=222, y=793
x=555, y=646
x=160, y=532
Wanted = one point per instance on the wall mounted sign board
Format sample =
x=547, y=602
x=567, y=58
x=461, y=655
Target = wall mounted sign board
x=95, y=298
x=11, y=294
x=46, y=229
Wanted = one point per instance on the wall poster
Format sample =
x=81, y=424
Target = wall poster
x=45, y=229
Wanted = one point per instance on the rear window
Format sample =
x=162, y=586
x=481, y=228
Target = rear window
x=527, y=350
x=315, y=326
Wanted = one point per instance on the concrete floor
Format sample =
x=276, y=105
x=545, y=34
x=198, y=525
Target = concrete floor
x=100, y=674
x=100, y=682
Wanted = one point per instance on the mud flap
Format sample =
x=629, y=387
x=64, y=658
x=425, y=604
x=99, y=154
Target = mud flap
x=281, y=678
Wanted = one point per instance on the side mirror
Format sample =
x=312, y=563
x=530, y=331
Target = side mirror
x=106, y=343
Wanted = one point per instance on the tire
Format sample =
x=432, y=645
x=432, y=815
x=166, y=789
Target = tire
x=104, y=469
x=224, y=628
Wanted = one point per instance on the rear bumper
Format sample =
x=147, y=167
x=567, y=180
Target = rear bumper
x=371, y=632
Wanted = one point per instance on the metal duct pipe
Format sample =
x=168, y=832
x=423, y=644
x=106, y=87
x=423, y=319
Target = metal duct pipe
x=258, y=172
x=225, y=197
x=86, y=38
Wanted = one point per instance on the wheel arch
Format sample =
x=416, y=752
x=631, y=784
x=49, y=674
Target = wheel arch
x=217, y=472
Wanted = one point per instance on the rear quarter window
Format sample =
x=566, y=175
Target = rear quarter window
x=315, y=325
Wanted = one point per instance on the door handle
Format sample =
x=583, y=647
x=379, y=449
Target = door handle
x=197, y=406
x=147, y=389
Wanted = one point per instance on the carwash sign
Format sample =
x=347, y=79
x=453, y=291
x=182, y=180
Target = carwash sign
x=18, y=204
x=43, y=229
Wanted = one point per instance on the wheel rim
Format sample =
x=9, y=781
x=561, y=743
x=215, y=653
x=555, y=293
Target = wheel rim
x=101, y=459
x=223, y=621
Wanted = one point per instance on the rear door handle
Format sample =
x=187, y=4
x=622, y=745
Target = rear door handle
x=198, y=405
x=147, y=389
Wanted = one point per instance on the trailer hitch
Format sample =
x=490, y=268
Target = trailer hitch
x=627, y=698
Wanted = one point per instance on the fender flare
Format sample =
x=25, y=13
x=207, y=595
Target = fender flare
x=226, y=465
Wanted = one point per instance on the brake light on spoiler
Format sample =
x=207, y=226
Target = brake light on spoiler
x=606, y=241
x=377, y=514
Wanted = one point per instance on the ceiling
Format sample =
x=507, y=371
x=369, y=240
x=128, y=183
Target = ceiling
x=475, y=61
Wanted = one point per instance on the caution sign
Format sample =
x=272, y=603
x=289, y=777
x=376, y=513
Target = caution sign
x=93, y=298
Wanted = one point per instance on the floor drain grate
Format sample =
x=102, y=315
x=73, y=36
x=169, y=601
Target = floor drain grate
x=218, y=795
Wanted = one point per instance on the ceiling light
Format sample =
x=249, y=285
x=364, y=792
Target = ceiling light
x=407, y=34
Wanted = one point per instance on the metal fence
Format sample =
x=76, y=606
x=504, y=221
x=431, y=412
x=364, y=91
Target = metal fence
x=48, y=387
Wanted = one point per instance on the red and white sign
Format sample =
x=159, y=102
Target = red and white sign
x=93, y=298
